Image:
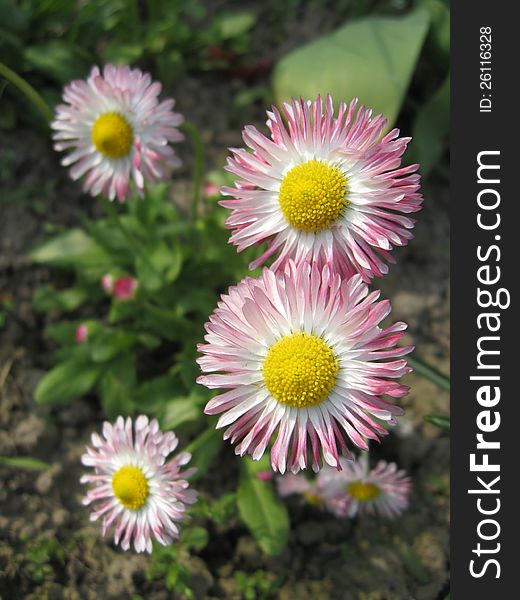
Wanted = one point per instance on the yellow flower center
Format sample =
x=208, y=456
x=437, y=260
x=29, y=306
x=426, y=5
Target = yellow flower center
x=112, y=135
x=363, y=491
x=130, y=487
x=300, y=370
x=313, y=195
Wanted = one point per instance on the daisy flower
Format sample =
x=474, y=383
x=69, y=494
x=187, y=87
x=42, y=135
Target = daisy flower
x=323, y=188
x=116, y=129
x=357, y=490
x=135, y=489
x=354, y=489
x=301, y=352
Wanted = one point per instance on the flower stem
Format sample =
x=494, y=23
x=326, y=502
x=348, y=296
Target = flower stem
x=116, y=219
x=429, y=372
x=198, y=168
x=28, y=90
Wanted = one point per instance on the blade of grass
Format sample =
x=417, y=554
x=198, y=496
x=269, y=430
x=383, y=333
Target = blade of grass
x=428, y=372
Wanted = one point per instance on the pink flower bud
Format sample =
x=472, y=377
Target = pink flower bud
x=265, y=475
x=125, y=288
x=107, y=283
x=211, y=189
x=81, y=333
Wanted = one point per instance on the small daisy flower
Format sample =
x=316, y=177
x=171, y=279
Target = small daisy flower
x=116, y=129
x=323, y=188
x=135, y=489
x=357, y=490
x=301, y=352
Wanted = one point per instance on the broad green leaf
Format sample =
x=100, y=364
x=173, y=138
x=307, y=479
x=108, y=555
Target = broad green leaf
x=66, y=381
x=75, y=249
x=441, y=421
x=204, y=450
x=262, y=511
x=57, y=59
x=235, y=24
x=372, y=58
x=24, y=462
x=179, y=411
x=431, y=129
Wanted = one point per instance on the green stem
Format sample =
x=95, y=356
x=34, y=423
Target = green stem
x=28, y=90
x=198, y=167
x=116, y=219
x=429, y=372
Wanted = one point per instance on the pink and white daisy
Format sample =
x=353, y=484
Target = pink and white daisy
x=117, y=129
x=353, y=490
x=135, y=489
x=301, y=352
x=359, y=490
x=323, y=188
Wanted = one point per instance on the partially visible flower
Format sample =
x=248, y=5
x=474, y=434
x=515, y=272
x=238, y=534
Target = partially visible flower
x=107, y=283
x=81, y=333
x=116, y=129
x=290, y=484
x=353, y=490
x=305, y=363
x=265, y=475
x=211, y=189
x=124, y=288
x=323, y=188
x=134, y=488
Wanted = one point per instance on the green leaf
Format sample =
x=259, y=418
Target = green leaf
x=116, y=387
x=262, y=511
x=65, y=333
x=371, y=58
x=109, y=343
x=412, y=562
x=195, y=538
x=439, y=35
x=431, y=128
x=152, y=395
x=160, y=264
x=47, y=298
x=204, y=450
x=58, y=60
x=67, y=380
x=12, y=16
x=179, y=411
x=24, y=462
x=441, y=421
x=74, y=249
x=428, y=372
x=235, y=24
